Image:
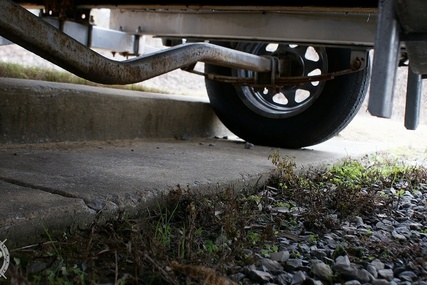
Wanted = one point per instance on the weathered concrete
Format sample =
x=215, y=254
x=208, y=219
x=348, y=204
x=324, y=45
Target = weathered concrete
x=36, y=111
x=27, y=213
x=58, y=186
x=63, y=185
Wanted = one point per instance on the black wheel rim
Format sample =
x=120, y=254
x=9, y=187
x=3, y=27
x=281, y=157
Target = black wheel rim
x=290, y=100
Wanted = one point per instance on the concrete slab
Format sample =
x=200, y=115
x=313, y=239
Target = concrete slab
x=37, y=111
x=63, y=184
x=117, y=152
x=26, y=213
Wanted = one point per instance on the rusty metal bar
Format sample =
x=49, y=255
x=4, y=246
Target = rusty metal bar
x=27, y=30
x=278, y=81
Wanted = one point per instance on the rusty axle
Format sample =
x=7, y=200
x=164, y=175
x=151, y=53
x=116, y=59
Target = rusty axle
x=31, y=32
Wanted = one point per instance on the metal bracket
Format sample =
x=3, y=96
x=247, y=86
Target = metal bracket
x=358, y=59
x=268, y=79
x=99, y=38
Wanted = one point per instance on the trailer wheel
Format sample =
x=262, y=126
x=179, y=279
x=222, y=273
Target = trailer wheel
x=294, y=116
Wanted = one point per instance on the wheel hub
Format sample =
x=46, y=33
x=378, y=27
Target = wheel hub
x=287, y=101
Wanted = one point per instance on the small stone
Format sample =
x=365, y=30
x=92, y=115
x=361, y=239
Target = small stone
x=271, y=265
x=365, y=232
x=406, y=206
x=352, y=282
x=380, y=236
x=293, y=264
x=398, y=236
x=313, y=247
x=408, y=276
x=398, y=269
x=351, y=273
x=342, y=260
x=351, y=238
x=284, y=278
x=237, y=277
x=359, y=221
x=380, y=282
x=249, y=145
x=260, y=276
x=249, y=268
x=304, y=248
x=372, y=270
x=322, y=271
x=377, y=264
x=298, y=278
x=280, y=256
x=349, y=230
x=185, y=137
x=364, y=276
x=383, y=226
x=344, y=270
x=332, y=240
x=319, y=253
x=411, y=266
x=386, y=274
x=96, y=204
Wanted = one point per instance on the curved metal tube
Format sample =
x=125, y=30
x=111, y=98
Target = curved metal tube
x=29, y=31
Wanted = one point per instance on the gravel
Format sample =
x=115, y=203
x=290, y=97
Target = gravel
x=337, y=226
x=386, y=247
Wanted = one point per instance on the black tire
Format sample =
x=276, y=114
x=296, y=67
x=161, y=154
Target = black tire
x=325, y=116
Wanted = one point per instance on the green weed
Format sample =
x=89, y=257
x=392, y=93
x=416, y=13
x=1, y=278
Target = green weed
x=253, y=237
x=268, y=249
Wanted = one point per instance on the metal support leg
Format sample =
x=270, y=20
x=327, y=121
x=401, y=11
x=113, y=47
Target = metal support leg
x=386, y=57
x=413, y=99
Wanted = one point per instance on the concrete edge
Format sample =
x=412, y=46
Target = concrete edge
x=76, y=215
x=37, y=111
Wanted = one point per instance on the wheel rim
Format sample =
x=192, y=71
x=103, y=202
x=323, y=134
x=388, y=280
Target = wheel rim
x=290, y=100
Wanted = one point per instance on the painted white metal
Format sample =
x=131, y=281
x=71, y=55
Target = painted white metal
x=324, y=28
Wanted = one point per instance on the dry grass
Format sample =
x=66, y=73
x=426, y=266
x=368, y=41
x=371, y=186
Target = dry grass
x=190, y=238
x=14, y=70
